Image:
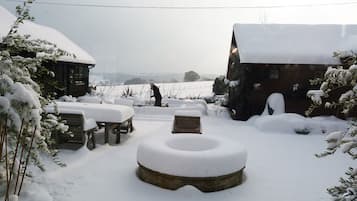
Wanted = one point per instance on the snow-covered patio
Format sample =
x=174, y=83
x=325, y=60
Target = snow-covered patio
x=280, y=166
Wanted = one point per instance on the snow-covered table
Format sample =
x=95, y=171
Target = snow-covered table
x=115, y=118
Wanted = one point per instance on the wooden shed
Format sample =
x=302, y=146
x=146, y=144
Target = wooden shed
x=71, y=72
x=73, y=78
x=282, y=58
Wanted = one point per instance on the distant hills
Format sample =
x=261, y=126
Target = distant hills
x=121, y=78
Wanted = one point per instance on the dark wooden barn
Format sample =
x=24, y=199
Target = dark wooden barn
x=282, y=58
x=71, y=72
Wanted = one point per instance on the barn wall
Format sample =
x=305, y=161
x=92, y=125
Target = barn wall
x=258, y=81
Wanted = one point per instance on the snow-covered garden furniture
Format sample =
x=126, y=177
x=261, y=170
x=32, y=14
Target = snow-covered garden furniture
x=116, y=119
x=208, y=163
x=81, y=129
x=187, y=121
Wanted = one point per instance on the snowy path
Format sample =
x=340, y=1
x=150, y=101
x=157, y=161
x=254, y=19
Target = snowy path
x=280, y=167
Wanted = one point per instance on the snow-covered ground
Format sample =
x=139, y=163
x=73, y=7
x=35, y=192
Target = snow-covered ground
x=280, y=166
x=173, y=90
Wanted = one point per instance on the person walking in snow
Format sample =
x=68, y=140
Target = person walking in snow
x=157, y=94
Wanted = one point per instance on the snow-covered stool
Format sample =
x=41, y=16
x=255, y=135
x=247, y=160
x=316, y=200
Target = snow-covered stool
x=208, y=163
x=187, y=121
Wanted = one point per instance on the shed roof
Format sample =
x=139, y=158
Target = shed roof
x=45, y=33
x=293, y=43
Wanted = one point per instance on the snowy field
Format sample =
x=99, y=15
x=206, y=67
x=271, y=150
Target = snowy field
x=173, y=90
x=280, y=166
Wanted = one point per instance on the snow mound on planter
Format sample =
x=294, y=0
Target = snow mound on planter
x=191, y=155
x=295, y=123
x=276, y=103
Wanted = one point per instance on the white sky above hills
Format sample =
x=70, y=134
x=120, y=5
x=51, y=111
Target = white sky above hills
x=174, y=40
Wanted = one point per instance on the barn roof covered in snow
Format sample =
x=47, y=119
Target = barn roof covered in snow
x=45, y=33
x=293, y=43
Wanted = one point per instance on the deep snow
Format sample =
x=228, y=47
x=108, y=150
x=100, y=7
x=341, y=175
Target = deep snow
x=280, y=166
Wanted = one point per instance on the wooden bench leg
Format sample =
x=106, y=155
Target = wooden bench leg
x=130, y=126
x=91, y=140
x=106, y=133
x=118, y=134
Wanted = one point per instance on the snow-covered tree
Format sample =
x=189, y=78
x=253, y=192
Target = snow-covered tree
x=219, y=86
x=21, y=98
x=341, y=80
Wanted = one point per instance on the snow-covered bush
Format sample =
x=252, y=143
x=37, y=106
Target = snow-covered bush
x=343, y=80
x=21, y=93
x=219, y=86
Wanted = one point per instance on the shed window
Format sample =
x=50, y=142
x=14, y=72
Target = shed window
x=274, y=74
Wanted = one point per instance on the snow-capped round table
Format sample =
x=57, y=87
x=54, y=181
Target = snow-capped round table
x=206, y=162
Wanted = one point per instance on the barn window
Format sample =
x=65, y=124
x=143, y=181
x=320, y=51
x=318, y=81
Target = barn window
x=274, y=74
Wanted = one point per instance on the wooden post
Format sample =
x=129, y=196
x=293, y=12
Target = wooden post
x=131, y=125
x=90, y=139
x=2, y=136
x=20, y=166
x=27, y=160
x=118, y=134
x=14, y=159
x=106, y=132
x=6, y=163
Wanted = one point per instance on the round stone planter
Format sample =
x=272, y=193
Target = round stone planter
x=208, y=163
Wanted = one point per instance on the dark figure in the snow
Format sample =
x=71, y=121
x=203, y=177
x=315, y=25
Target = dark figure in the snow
x=157, y=94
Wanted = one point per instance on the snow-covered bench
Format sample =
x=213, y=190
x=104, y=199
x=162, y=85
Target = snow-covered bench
x=187, y=121
x=116, y=119
x=79, y=127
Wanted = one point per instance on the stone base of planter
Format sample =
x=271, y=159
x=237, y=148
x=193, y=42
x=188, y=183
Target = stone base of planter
x=204, y=184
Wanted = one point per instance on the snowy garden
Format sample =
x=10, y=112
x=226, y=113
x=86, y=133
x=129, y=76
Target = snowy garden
x=189, y=148
x=281, y=164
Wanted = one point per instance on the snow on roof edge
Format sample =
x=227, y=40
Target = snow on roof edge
x=293, y=43
x=37, y=31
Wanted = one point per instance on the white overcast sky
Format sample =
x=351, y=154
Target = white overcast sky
x=166, y=41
